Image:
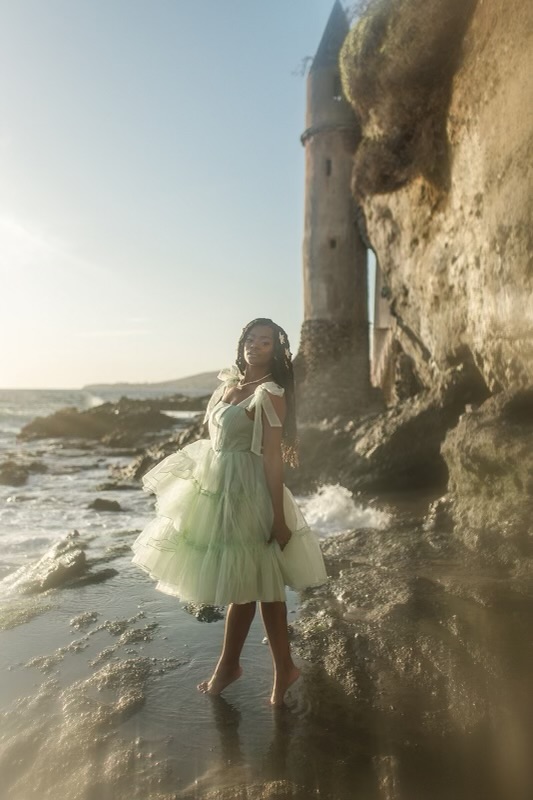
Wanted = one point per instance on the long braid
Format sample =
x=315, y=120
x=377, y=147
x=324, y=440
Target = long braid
x=283, y=375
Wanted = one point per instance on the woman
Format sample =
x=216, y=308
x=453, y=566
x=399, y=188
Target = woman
x=227, y=530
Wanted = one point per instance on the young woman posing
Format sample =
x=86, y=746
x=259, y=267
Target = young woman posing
x=227, y=530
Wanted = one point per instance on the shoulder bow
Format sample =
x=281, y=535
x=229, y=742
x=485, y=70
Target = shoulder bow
x=270, y=386
x=228, y=376
x=261, y=402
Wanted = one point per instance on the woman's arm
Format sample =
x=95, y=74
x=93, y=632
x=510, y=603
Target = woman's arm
x=273, y=464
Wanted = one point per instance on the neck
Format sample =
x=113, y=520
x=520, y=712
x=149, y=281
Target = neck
x=255, y=373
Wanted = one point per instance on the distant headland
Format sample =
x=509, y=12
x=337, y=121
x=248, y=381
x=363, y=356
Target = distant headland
x=203, y=382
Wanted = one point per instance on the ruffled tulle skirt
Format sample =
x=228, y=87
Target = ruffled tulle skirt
x=208, y=541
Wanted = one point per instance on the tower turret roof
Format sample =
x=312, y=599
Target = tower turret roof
x=335, y=32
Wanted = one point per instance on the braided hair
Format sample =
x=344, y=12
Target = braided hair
x=282, y=374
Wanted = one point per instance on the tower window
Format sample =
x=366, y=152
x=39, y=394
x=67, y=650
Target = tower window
x=328, y=166
x=333, y=243
x=337, y=88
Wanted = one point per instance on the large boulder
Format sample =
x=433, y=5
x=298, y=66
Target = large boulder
x=14, y=472
x=401, y=447
x=63, y=564
x=136, y=468
x=489, y=456
x=125, y=423
x=102, y=504
x=393, y=450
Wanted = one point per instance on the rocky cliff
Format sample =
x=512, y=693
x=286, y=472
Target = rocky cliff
x=425, y=625
x=444, y=171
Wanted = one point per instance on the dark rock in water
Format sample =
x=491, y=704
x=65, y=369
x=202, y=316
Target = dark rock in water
x=394, y=450
x=115, y=486
x=152, y=455
x=205, y=613
x=490, y=460
x=116, y=550
x=101, y=504
x=136, y=468
x=122, y=424
x=326, y=456
x=15, y=473
x=146, y=431
x=37, y=466
x=73, y=469
x=91, y=578
x=401, y=447
x=64, y=565
x=62, y=562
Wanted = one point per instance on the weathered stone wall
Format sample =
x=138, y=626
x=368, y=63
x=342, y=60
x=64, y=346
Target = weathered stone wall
x=332, y=369
x=334, y=257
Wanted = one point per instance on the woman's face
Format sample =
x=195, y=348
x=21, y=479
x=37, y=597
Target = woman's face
x=259, y=347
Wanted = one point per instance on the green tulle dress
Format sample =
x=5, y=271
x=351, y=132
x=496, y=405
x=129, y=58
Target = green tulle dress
x=208, y=542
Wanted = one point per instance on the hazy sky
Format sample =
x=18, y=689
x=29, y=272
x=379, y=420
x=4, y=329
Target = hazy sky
x=151, y=183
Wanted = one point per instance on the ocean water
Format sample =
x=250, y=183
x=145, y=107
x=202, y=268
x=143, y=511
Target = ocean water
x=51, y=503
x=98, y=697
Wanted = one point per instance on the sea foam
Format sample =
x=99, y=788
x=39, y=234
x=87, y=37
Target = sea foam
x=332, y=509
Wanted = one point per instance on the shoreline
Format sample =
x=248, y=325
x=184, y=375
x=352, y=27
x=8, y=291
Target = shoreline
x=405, y=659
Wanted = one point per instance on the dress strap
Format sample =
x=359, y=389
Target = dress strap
x=229, y=376
x=261, y=402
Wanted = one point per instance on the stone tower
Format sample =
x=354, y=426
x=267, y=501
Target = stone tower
x=332, y=366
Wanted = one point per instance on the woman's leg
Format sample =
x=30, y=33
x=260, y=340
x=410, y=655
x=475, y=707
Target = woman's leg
x=285, y=670
x=239, y=617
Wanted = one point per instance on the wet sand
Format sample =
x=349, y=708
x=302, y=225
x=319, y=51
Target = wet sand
x=99, y=693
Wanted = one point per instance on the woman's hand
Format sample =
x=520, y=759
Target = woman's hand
x=281, y=533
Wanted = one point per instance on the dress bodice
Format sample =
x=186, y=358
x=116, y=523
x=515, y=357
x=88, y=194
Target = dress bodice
x=230, y=427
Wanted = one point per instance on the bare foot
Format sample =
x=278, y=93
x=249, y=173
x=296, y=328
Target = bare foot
x=281, y=684
x=219, y=680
